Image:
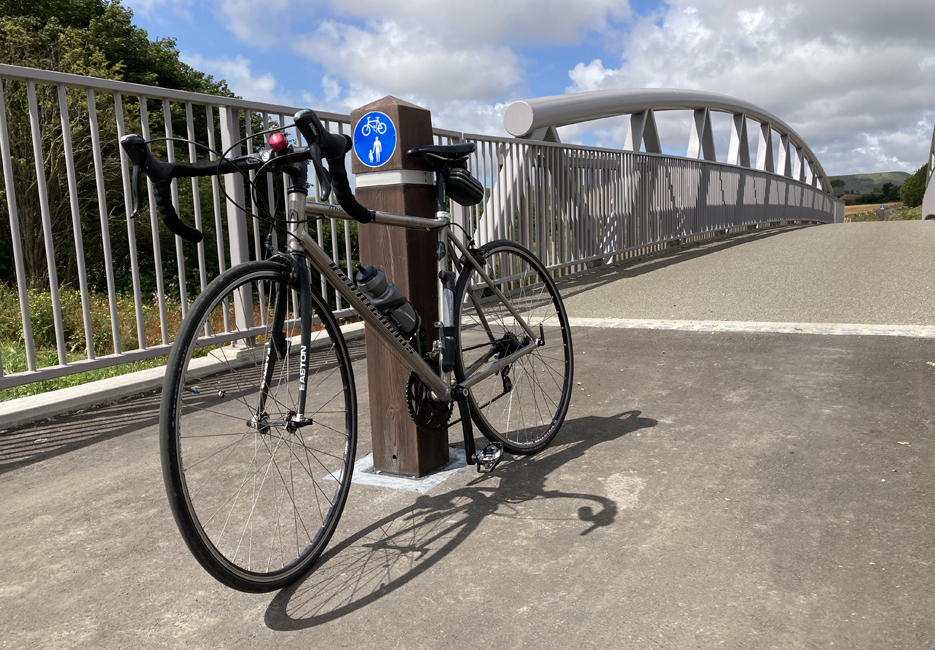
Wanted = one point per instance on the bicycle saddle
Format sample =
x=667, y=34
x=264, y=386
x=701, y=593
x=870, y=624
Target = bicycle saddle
x=438, y=154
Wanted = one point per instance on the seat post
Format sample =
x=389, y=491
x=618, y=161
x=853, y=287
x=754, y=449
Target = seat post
x=440, y=176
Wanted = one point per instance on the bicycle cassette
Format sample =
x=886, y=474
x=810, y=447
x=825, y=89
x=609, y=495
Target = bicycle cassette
x=429, y=414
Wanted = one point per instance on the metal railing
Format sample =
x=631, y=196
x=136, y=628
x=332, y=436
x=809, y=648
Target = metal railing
x=85, y=291
x=578, y=207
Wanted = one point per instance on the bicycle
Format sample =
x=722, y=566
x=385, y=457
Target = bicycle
x=258, y=430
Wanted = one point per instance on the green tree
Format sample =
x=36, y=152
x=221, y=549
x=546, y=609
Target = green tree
x=913, y=188
x=836, y=186
x=92, y=38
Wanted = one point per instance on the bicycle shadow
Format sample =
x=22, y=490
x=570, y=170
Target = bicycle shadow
x=398, y=548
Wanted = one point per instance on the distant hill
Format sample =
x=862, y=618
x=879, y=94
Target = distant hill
x=865, y=183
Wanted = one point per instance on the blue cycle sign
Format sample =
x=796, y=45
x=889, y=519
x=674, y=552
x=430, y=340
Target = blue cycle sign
x=374, y=139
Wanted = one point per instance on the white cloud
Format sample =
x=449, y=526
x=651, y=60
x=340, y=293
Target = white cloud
x=467, y=116
x=160, y=10
x=853, y=80
x=486, y=22
x=856, y=80
x=402, y=60
x=456, y=59
x=240, y=79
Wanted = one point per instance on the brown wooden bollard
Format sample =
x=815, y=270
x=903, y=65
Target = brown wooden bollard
x=390, y=181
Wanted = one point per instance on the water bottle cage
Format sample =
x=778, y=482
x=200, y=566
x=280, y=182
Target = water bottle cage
x=390, y=304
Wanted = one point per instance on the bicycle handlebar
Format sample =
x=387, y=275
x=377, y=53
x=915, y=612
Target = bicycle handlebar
x=333, y=146
x=321, y=143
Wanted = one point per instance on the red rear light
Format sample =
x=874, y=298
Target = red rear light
x=278, y=142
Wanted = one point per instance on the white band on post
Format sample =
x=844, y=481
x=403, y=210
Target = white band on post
x=395, y=177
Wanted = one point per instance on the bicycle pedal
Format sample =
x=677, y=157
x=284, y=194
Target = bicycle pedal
x=488, y=459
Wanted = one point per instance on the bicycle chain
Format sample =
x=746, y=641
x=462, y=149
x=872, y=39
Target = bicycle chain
x=507, y=388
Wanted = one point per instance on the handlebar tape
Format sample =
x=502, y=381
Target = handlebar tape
x=170, y=217
x=161, y=175
x=333, y=147
x=342, y=188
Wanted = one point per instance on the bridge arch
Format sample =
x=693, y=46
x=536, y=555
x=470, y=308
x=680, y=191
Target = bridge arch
x=537, y=119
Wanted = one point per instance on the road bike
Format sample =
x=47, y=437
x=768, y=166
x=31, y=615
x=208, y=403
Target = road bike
x=258, y=418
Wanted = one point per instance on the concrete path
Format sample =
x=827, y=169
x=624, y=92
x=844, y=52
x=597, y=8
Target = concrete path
x=708, y=490
x=880, y=272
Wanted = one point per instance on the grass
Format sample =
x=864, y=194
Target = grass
x=865, y=183
x=13, y=349
x=12, y=338
x=14, y=360
x=893, y=212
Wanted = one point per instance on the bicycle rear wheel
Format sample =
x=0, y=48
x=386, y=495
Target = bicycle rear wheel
x=256, y=496
x=524, y=404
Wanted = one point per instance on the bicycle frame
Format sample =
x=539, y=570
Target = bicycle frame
x=439, y=382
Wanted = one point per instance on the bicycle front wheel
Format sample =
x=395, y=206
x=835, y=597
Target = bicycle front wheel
x=256, y=492
x=524, y=403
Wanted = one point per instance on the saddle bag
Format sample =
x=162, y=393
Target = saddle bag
x=463, y=188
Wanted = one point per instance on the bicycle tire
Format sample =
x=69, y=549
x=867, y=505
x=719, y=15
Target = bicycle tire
x=543, y=377
x=224, y=476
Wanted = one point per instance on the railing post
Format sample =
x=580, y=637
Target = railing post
x=391, y=182
x=236, y=216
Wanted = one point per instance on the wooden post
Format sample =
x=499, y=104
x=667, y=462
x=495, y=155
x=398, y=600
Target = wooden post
x=407, y=257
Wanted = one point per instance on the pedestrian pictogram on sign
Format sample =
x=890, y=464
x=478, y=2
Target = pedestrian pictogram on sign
x=374, y=139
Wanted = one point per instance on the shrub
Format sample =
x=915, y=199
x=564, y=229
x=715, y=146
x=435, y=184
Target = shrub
x=913, y=188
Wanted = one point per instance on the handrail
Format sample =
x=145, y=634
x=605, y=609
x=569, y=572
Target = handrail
x=127, y=88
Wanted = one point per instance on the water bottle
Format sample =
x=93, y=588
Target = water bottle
x=388, y=299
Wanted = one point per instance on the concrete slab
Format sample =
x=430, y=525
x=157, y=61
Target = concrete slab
x=365, y=474
x=735, y=490
x=867, y=273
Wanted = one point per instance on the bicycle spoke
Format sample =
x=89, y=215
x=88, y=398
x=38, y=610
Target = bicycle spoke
x=256, y=497
x=517, y=406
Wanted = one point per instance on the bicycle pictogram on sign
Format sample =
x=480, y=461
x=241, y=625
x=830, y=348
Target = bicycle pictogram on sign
x=374, y=139
x=373, y=124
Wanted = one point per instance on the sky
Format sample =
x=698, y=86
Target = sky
x=855, y=80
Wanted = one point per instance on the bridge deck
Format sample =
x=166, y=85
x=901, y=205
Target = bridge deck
x=882, y=273
x=734, y=490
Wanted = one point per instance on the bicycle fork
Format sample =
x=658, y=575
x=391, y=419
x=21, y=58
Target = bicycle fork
x=278, y=348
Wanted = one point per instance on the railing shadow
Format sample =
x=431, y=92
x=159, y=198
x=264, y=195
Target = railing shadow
x=581, y=282
x=40, y=441
x=35, y=443
x=391, y=552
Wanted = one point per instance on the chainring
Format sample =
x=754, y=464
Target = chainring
x=427, y=413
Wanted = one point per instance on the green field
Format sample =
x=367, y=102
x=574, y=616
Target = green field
x=894, y=212
x=866, y=183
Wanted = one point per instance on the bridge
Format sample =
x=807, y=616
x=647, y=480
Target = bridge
x=576, y=207
x=746, y=461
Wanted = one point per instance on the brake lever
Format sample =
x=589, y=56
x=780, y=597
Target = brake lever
x=136, y=189
x=324, y=176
